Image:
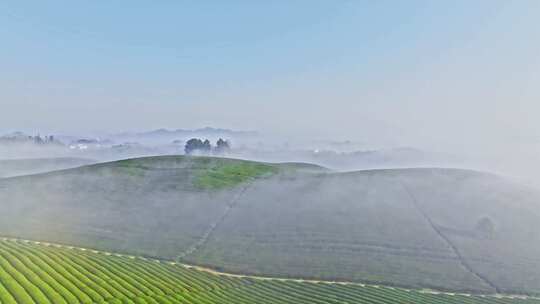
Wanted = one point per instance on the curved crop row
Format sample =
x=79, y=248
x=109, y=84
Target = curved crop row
x=33, y=273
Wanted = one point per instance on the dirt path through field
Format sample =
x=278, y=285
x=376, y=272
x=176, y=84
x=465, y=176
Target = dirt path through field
x=454, y=248
x=206, y=236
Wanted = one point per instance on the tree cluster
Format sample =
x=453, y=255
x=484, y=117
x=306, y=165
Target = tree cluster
x=42, y=140
x=21, y=138
x=197, y=145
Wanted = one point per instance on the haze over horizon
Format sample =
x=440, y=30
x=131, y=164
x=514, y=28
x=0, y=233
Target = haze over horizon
x=448, y=76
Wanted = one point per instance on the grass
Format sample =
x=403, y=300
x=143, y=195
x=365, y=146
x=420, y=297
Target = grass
x=208, y=173
x=131, y=167
x=39, y=273
x=226, y=175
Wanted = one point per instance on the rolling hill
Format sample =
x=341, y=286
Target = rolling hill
x=447, y=229
x=26, y=166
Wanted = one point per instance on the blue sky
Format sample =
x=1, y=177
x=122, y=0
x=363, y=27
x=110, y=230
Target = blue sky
x=405, y=71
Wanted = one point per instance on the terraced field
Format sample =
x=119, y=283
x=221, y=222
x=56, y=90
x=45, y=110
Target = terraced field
x=51, y=274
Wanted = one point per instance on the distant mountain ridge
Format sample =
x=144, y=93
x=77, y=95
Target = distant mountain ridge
x=186, y=132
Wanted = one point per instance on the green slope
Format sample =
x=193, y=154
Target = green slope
x=17, y=167
x=406, y=227
x=44, y=273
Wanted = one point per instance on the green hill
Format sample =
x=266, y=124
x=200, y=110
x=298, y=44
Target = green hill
x=46, y=273
x=446, y=229
x=16, y=167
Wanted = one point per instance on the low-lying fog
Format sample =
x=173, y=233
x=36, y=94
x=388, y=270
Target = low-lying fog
x=516, y=160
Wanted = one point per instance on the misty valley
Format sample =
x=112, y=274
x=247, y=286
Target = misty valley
x=269, y=228
x=270, y=152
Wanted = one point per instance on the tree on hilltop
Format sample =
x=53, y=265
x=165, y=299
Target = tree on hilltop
x=192, y=145
x=196, y=144
x=206, y=146
x=222, y=146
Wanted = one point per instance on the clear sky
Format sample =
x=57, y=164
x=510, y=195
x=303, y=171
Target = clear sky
x=412, y=72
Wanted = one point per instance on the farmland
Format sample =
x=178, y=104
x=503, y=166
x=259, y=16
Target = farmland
x=43, y=273
x=413, y=228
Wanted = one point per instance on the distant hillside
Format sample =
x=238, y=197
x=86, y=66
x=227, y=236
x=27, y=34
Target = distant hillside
x=207, y=130
x=16, y=167
x=168, y=136
x=441, y=228
x=331, y=157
